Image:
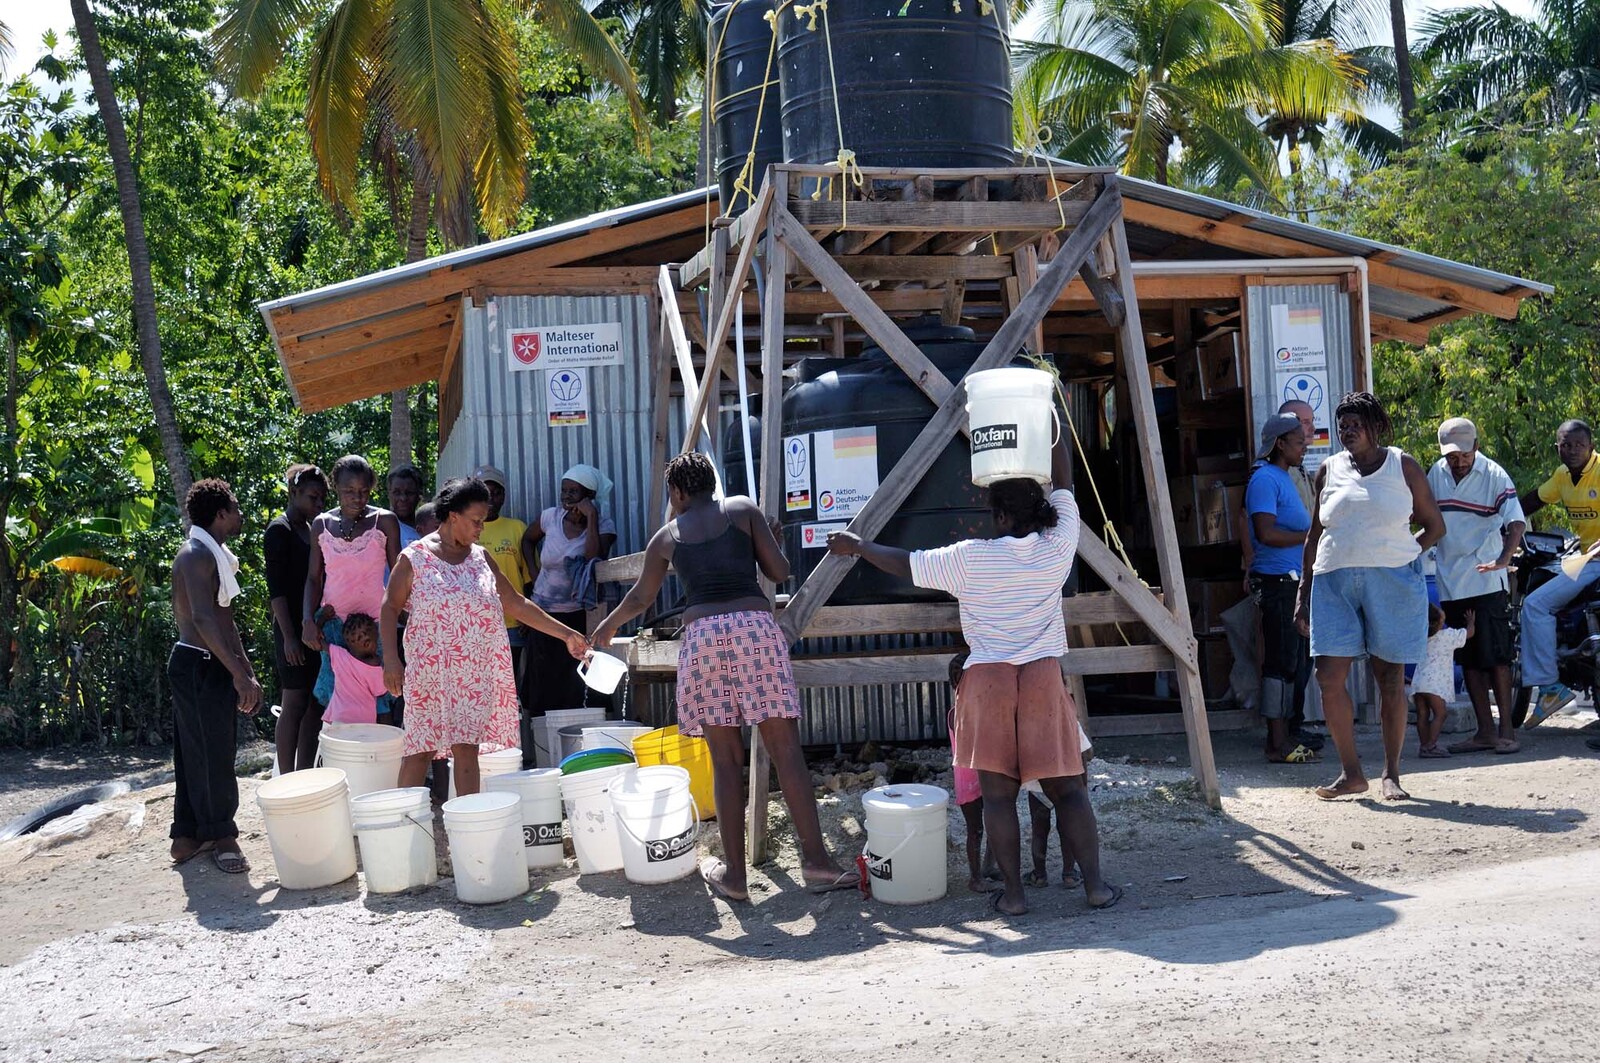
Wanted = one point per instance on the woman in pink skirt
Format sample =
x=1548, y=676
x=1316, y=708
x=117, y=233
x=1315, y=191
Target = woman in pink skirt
x=457, y=680
x=733, y=664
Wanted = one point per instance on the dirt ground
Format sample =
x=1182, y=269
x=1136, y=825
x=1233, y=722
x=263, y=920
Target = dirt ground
x=109, y=953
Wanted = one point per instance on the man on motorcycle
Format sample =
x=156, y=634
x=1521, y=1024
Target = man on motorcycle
x=1483, y=528
x=1576, y=485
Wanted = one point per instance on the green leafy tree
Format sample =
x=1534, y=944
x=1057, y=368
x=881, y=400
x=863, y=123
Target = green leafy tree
x=1490, y=60
x=1133, y=83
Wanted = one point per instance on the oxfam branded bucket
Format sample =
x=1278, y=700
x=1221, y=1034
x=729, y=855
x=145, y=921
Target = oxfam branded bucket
x=667, y=746
x=586, y=795
x=490, y=764
x=547, y=732
x=367, y=753
x=486, y=847
x=307, y=814
x=539, y=790
x=1011, y=414
x=395, y=829
x=906, y=830
x=658, y=825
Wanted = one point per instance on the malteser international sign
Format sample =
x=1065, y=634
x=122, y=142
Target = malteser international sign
x=564, y=346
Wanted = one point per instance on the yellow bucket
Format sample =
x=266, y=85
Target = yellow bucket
x=667, y=746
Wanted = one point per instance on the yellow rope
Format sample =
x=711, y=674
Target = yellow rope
x=849, y=172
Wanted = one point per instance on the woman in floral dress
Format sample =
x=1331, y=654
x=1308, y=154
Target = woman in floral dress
x=457, y=679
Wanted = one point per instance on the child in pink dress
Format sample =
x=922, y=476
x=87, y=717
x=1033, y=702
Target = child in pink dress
x=357, y=673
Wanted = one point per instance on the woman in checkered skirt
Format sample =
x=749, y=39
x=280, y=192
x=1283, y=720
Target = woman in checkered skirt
x=733, y=663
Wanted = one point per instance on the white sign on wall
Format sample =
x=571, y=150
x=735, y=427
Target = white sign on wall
x=846, y=464
x=566, y=398
x=564, y=346
x=1300, y=371
x=796, y=473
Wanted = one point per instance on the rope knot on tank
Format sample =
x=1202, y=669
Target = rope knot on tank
x=984, y=8
x=810, y=11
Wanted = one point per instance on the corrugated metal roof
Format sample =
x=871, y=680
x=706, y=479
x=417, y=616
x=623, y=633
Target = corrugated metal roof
x=1190, y=203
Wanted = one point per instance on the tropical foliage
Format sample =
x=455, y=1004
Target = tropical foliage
x=1500, y=65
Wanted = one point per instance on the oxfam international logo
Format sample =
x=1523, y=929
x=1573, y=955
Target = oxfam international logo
x=825, y=502
x=566, y=385
x=525, y=347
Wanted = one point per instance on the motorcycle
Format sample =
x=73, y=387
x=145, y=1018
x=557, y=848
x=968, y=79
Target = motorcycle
x=1577, y=625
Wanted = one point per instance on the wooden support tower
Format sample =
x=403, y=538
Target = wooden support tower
x=1033, y=229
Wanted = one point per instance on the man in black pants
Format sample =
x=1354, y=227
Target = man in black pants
x=211, y=680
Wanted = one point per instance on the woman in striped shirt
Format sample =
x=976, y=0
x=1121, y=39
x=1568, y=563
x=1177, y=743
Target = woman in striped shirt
x=1015, y=721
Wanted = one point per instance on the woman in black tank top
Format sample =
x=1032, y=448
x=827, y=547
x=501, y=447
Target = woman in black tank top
x=733, y=662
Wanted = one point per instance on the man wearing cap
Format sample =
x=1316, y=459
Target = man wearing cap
x=502, y=540
x=1279, y=521
x=1483, y=529
x=1576, y=485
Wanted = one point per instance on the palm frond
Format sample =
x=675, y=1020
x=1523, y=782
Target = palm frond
x=342, y=70
x=500, y=173
x=572, y=24
x=250, y=39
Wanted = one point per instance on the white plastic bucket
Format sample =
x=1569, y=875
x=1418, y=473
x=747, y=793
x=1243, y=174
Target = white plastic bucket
x=486, y=847
x=395, y=829
x=539, y=790
x=906, y=831
x=658, y=825
x=602, y=672
x=587, y=798
x=500, y=762
x=1011, y=414
x=368, y=753
x=307, y=815
x=547, y=732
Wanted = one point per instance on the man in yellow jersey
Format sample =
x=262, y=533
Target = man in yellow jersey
x=502, y=540
x=1576, y=485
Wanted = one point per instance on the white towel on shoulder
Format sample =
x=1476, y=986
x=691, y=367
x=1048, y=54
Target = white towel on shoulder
x=227, y=565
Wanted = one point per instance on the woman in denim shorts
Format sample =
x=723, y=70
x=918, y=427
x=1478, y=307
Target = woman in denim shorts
x=1362, y=594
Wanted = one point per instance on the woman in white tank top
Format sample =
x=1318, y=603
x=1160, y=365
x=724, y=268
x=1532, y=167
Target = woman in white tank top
x=1363, y=594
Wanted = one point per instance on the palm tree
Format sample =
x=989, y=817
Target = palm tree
x=665, y=44
x=1402, y=66
x=1487, y=58
x=5, y=45
x=1129, y=82
x=438, y=77
x=146, y=326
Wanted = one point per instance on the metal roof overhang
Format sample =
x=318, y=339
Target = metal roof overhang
x=401, y=326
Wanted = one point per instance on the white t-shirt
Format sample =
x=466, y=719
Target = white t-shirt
x=1436, y=674
x=1009, y=589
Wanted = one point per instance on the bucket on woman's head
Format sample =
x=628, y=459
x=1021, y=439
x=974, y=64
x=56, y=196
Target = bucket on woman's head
x=486, y=847
x=539, y=790
x=1011, y=415
x=906, y=842
x=547, y=732
x=307, y=815
x=587, y=798
x=395, y=829
x=602, y=672
x=500, y=762
x=666, y=746
x=658, y=825
x=368, y=753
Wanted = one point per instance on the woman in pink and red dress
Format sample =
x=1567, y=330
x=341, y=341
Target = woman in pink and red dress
x=457, y=679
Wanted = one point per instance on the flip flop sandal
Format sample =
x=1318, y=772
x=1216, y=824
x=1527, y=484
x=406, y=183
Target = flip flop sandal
x=1301, y=755
x=1072, y=882
x=1036, y=878
x=1455, y=749
x=230, y=863
x=1507, y=748
x=1434, y=753
x=204, y=847
x=1111, y=902
x=846, y=880
x=709, y=873
x=995, y=897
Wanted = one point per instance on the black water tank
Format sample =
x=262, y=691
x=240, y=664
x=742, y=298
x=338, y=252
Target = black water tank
x=739, y=39
x=872, y=392
x=919, y=85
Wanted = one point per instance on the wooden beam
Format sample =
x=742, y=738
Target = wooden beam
x=935, y=216
x=452, y=347
x=697, y=270
x=1162, y=723
x=679, y=338
x=930, y=268
x=955, y=294
x=300, y=349
x=1168, y=556
x=724, y=317
x=403, y=371
x=1176, y=635
x=951, y=415
x=1153, y=287
x=1394, y=328
x=846, y=621
x=660, y=398
x=660, y=658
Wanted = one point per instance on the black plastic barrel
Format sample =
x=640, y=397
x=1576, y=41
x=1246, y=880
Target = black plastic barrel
x=919, y=85
x=871, y=391
x=739, y=39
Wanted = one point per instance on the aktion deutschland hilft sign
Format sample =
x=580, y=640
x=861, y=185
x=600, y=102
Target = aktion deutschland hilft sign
x=564, y=346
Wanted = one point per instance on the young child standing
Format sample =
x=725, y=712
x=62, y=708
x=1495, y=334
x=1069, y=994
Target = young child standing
x=969, y=795
x=1434, y=681
x=1040, y=811
x=357, y=673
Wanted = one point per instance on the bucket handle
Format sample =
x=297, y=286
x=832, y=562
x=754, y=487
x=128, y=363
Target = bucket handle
x=694, y=806
x=1056, y=440
x=411, y=818
x=892, y=853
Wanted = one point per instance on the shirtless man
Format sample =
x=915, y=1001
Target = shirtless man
x=211, y=679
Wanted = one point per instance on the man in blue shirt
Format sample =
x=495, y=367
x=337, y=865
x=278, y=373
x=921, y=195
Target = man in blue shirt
x=1279, y=522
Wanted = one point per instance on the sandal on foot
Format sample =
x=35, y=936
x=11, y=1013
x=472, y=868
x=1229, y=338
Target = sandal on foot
x=202, y=847
x=1036, y=878
x=1109, y=902
x=845, y=880
x=229, y=861
x=1507, y=746
x=1433, y=753
x=1298, y=755
x=711, y=872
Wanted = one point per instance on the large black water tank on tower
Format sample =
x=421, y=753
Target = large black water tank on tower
x=838, y=395
x=919, y=85
x=739, y=40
